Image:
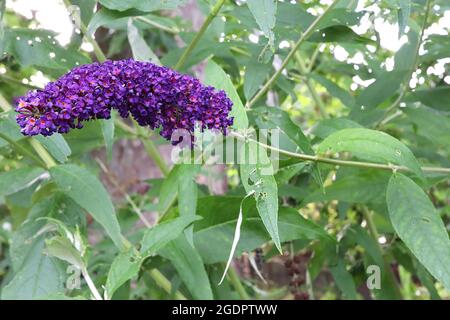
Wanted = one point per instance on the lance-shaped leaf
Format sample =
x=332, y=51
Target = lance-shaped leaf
x=371, y=145
x=417, y=223
x=189, y=266
x=85, y=189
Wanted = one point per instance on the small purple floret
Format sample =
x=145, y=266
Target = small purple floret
x=155, y=96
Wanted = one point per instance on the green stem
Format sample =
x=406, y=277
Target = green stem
x=237, y=284
x=375, y=235
x=91, y=285
x=316, y=158
x=313, y=59
x=97, y=50
x=43, y=153
x=153, y=151
x=186, y=53
x=311, y=29
x=165, y=284
x=149, y=146
x=310, y=86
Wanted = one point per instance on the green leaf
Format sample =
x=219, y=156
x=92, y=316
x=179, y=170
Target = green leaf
x=213, y=235
x=108, y=129
x=437, y=47
x=38, y=276
x=336, y=91
x=56, y=145
x=124, y=267
x=341, y=16
x=45, y=53
x=387, y=83
x=286, y=173
x=417, y=223
x=86, y=9
x=341, y=34
x=255, y=74
x=60, y=247
x=369, y=244
x=9, y=127
x=427, y=280
x=352, y=186
x=146, y=6
x=17, y=179
x=167, y=194
x=278, y=118
x=403, y=15
x=328, y=126
x=158, y=236
x=187, y=194
x=436, y=98
x=431, y=124
x=107, y=18
x=344, y=280
x=257, y=177
x=216, y=77
x=141, y=51
x=264, y=12
x=189, y=266
x=371, y=145
x=85, y=189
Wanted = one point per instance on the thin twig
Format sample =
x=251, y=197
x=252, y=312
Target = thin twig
x=237, y=284
x=316, y=158
x=165, y=284
x=97, y=50
x=91, y=285
x=187, y=52
x=310, y=85
x=311, y=29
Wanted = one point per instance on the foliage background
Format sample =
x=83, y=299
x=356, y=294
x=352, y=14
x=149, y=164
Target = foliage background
x=78, y=206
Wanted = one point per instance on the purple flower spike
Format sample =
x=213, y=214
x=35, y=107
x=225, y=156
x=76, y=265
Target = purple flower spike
x=155, y=96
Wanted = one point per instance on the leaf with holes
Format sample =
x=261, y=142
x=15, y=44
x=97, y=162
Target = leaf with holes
x=257, y=177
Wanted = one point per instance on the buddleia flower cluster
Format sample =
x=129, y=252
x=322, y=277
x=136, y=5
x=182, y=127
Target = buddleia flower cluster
x=155, y=96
